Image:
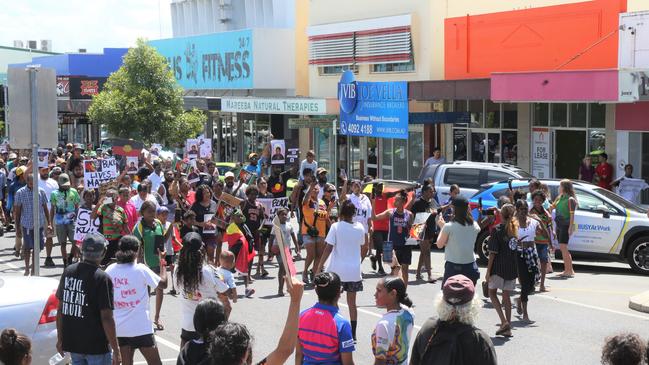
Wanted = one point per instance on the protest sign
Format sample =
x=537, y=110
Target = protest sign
x=246, y=176
x=207, y=218
x=96, y=172
x=271, y=206
x=277, y=151
x=230, y=200
x=205, y=147
x=155, y=149
x=131, y=164
x=191, y=147
x=43, y=158
x=193, y=175
x=84, y=225
x=292, y=155
x=417, y=229
x=284, y=251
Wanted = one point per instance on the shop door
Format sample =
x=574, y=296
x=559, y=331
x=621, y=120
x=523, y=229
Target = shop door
x=485, y=146
x=226, y=132
x=569, y=149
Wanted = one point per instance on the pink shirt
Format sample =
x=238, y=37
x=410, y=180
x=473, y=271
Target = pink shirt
x=131, y=213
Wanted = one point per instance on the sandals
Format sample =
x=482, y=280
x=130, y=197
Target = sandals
x=158, y=325
x=505, y=331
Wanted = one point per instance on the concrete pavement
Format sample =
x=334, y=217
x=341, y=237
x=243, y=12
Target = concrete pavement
x=571, y=321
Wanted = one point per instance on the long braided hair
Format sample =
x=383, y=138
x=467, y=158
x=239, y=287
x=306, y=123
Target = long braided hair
x=190, y=267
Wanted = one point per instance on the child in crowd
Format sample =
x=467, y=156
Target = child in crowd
x=226, y=261
x=286, y=230
x=170, y=255
x=189, y=220
x=210, y=313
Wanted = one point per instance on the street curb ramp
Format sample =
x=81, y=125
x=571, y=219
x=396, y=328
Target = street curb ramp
x=640, y=302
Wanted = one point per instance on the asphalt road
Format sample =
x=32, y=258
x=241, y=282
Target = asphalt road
x=571, y=321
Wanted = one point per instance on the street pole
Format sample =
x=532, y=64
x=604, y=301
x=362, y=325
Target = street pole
x=334, y=160
x=6, y=103
x=35, y=196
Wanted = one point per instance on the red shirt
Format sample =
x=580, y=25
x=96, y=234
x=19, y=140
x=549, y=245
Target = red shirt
x=380, y=206
x=605, y=173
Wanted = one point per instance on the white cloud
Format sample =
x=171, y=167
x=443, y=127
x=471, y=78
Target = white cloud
x=90, y=24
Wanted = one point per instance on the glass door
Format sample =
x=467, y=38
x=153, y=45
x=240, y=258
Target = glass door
x=493, y=147
x=372, y=157
x=478, y=146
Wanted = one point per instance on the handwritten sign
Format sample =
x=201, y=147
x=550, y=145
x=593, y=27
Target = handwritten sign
x=97, y=172
x=271, y=206
x=84, y=225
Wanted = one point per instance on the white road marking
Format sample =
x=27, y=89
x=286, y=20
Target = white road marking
x=163, y=360
x=632, y=315
x=167, y=343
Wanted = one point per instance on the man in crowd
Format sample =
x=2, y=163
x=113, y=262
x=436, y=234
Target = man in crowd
x=48, y=185
x=239, y=190
x=84, y=319
x=23, y=213
x=436, y=158
x=156, y=176
x=64, y=203
x=604, y=172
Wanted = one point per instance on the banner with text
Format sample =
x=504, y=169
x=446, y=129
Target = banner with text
x=541, y=152
x=271, y=205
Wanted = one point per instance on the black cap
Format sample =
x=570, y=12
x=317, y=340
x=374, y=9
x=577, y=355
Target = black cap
x=94, y=243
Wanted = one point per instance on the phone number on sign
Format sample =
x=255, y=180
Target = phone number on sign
x=355, y=128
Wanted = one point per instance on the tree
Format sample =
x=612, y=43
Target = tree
x=143, y=101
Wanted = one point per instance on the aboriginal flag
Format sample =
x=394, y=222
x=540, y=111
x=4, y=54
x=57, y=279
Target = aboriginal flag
x=244, y=258
x=127, y=147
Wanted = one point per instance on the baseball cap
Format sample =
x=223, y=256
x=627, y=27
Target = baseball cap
x=12, y=156
x=320, y=170
x=193, y=241
x=252, y=154
x=162, y=209
x=79, y=146
x=229, y=174
x=56, y=170
x=458, y=290
x=64, y=180
x=21, y=170
x=460, y=201
x=94, y=243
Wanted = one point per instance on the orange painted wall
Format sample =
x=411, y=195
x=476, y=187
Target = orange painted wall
x=532, y=39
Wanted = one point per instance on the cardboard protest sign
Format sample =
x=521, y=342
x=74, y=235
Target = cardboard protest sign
x=193, y=175
x=230, y=200
x=191, y=147
x=284, y=251
x=156, y=148
x=271, y=206
x=277, y=152
x=131, y=165
x=43, y=158
x=417, y=229
x=84, y=225
x=96, y=172
x=207, y=218
x=205, y=147
x=292, y=155
x=246, y=176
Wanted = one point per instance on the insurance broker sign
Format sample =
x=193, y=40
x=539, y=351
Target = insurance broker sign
x=373, y=109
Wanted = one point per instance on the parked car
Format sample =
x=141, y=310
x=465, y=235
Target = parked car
x=29, y=305
x=469, y=176
x=607, y=226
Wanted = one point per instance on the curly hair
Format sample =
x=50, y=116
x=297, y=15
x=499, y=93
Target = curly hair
x=623, y=349
x=201, y=190
x=231, y=341
x=190, y=268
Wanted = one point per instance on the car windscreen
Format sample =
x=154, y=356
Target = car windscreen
x=427, y=172
x=524, y=174
x=620, y=200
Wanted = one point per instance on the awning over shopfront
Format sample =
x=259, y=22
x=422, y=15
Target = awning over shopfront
x=556, y=86
x=202, y=103
x=471, y=89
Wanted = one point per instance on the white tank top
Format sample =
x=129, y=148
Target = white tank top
x=528, y=233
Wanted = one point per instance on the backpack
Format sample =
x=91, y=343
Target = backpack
x=445, y=345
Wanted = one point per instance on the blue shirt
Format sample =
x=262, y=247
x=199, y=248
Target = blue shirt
x=25, y=198
x=324, y=334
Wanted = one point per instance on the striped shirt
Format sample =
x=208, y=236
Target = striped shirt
x=324, y=334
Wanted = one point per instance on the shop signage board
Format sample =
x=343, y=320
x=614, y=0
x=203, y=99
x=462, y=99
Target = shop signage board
x=211, y=61
x=373, y=109
x=541, y=152
x=297, y=123
x=291, y=106
x=85, y=87
x=633, y=85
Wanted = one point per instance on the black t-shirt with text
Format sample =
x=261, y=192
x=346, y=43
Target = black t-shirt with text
x=84, y=290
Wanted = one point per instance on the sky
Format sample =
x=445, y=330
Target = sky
x=89, y=24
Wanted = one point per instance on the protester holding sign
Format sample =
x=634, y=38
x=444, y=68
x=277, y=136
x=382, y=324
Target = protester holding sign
x=254, y=213
x=205, y=209
x=114, y=222
x=64, y=204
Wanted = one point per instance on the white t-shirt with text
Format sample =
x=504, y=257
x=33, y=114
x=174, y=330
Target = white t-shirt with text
x=363, y=209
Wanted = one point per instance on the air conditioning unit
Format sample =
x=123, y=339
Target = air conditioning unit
x=82, y=50
x=19, y=44
x=46, y=45
x=32, y=44
x=225, y=10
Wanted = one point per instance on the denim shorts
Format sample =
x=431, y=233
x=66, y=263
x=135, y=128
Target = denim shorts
x=83, y=359
x=469, y=270
x=28, y=239
x=544, y=252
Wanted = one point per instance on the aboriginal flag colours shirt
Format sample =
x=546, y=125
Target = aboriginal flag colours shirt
x=84, y=290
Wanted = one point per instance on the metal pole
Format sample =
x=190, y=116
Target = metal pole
x=36, y=206
x=6, y=103
x=334, y=159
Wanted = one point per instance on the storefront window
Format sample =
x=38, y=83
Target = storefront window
x=559, y=113
x=597, y=115
x=415, y=153
x=386, y=166
x=355, y=157
x=400, y=159
x=459, y=145
x=597, y=141
x=476, y=108
x=541, y=113
x=478, y=141
x=461, y=106
x=578, y=115
x=394, y=67
x=510, y=115
x=372, y=157
x=510, y=147
x=492, y=115
x=342, y=155
x=323, y=147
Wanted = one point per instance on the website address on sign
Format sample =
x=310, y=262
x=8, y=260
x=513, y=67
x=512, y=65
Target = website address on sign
x=390, y=130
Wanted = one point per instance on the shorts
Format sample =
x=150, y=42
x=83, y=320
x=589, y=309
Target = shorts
x=544, y=252
x=170, y=259
x=28, y=239
x=562, y=233
x=469, y=270
x=65, y=233
x=403, y=254
x=352, y=286
x=497, y=282
x=378, y=237
x=189, y=335
x=307, y=240
x=137, y=341
x=85, y=359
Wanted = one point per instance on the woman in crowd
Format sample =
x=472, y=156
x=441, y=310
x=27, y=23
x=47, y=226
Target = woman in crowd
x=266, y=227
x=458, y=240
x=543, y=238
x=315, y=222
x=324, y=335
x=132, y=322
x=527, y=259
x=501, y=269
x=195, y=280
x=565, y=206
x=586, y=170
x=15, y=348
x=398, y=232
x=205, y=209
x=209, y=314
x=391, y=336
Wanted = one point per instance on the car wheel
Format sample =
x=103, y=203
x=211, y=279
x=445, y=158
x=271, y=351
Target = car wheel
x=638, y=255
x=481, y=247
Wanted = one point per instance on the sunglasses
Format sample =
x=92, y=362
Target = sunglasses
x=330, y=191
